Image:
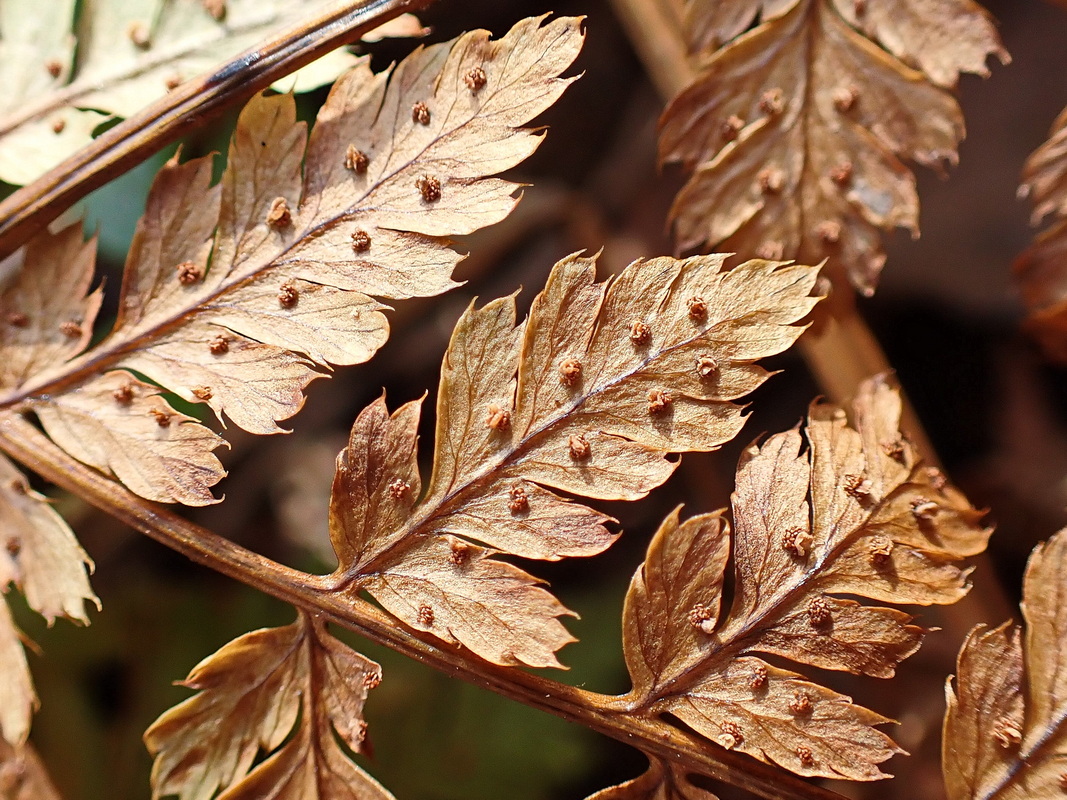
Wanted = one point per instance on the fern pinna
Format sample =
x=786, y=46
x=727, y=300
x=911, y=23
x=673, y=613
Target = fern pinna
x=272, y=280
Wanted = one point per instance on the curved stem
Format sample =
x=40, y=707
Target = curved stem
x=603, y=713
x=186, y=108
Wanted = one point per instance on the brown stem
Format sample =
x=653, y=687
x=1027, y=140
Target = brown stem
x=603, y=713
x=186, y=108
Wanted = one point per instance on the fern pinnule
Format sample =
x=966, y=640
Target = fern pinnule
x=1004, y=731
x=40, y=556
x=252, y=694
x=588, y=396
x=238, y=295
x=855, y=514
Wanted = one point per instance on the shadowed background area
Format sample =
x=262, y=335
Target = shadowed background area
x=946, y=313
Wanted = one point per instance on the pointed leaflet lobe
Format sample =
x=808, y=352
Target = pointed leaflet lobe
x=854, y=514
x=796, y=131
x=238, y=295
x=251, y=694
x=588, y=396
x=1004, y=727
x=40, y=556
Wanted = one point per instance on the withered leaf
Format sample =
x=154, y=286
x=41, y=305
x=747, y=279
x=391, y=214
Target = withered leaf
x=252, y=693
x=129, y=53
x=662, y=781
x=238, y=295
x=1003, y=735
x=1042, y=269
x=17, y=697
x=23, y=776
x=796, y=132
x=40, y=556
x=854, y=513
x=588, y=396
x=708, y=26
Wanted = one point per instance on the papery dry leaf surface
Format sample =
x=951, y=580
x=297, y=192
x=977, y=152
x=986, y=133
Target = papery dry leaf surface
x=80, y=65
x=1004, y=733
x=40, y=556
x=293, y=694
x=850, y=512
x=588, y=396
x=1042, y=269
x=797, y=131
x=238, y=295
x=23, y=776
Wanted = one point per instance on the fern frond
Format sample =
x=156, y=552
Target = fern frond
x=855, y=513
x=1004, y=727
x=796, y=131
x=588, y=396
x=238, y=295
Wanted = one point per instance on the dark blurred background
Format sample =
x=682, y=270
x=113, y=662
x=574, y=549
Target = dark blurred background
x=946, y=313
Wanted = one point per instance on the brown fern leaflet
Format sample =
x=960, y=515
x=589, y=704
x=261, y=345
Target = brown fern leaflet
x=1004, y=731
x=252, y=694
x=855, y=513
x=796, y=131
x=587, y=396
x=238, y=295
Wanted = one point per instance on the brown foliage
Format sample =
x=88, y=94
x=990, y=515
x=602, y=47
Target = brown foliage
x=796, y=132
x=1003, y=734
x=587, y=396
x=252, y=693
x=855, y=514
x=238, y=295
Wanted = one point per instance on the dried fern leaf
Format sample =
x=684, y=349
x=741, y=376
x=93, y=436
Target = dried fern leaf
x=588, y=396
x=1042, y=269
x=40, y=556
x=855, y=513
x=796, y=132
x=662, y=781
x=251, y=695
x=1004, y=734
x=238, y=295
x=23, y=776
x=129, y=53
